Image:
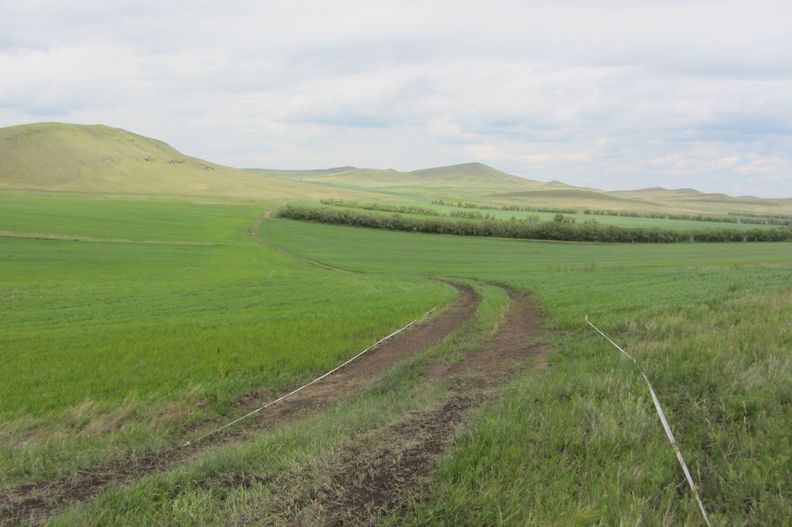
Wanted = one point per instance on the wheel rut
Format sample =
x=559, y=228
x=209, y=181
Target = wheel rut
x=255, y=233
x=34, y=503
x=367, y=482
x=378, y=481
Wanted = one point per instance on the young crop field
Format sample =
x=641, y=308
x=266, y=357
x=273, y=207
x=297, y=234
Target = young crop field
x=110, y=343
x=418, y=264
x=579, y=443
x=130, y=339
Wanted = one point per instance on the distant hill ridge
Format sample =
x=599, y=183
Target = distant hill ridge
x=98, y=158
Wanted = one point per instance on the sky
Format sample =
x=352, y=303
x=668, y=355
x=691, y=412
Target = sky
x=606, y=94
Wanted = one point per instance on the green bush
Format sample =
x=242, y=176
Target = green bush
x=554, y=230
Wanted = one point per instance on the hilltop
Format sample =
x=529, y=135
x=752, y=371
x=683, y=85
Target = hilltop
x=469, y=176
x=481, y=183
x=710, y=202
x=101, y=159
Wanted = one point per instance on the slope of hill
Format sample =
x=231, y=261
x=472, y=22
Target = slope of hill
x=709, y=202
x=475, y=182
x=100, y=159
x=464, y=176
x=299, y=174
x=471, y=173
x=483, y=184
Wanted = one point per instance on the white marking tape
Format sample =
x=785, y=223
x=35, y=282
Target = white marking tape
x=663, y=420
x=279, y=399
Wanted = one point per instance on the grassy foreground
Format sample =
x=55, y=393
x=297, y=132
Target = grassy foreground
x=296, y=460
x=577, y=444
x=162, y=316
x=580, y=444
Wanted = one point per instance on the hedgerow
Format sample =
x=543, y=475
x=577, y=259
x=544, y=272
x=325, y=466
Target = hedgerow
x=554, y=230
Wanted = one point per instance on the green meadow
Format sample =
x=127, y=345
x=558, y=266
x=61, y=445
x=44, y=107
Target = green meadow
x=579, y=444
x=144, y=300
x=160, y=315
x=575, y=444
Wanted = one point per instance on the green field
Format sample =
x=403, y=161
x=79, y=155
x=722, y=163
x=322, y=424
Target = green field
x=137, y=314
x=581, y=440
x=704, y=320
x=482, y=184
x=106, y=337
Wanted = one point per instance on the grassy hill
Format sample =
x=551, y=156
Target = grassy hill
x=691, y=199
x=132, y=325
x=455, y=178
x=483, y=184
x=100, y=159
x=471, y=173
x=299, y=174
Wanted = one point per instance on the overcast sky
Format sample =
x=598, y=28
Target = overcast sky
x=610, y=94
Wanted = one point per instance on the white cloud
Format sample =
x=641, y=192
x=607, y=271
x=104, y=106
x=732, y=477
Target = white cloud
x=613, y=93
x=482, y=151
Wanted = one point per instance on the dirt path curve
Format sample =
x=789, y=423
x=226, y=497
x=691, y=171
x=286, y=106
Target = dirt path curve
x=377, y=481
x=34, y=503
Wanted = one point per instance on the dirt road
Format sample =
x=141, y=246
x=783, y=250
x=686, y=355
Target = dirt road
x=34, y=503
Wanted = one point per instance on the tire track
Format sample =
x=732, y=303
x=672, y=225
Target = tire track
x=34, y=503
x=255, y=231
x=369, y=484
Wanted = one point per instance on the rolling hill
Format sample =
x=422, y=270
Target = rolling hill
x=463, y=176
x=483, y=184
x=692, y=199
x=100, y=159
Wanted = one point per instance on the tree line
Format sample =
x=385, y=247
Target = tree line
x=401, y=209
x=553, y=230
x=512, y=208
x=746, y=218
x=732, y=217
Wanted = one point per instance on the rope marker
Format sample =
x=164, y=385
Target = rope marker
x=281, y=398
x=664, y=421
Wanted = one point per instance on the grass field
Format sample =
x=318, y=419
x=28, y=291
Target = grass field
x=579, y=444
x=140, y=338
x=138, y=308
x=576, y=444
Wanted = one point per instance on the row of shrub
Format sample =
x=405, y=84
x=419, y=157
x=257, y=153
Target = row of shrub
x=747, y=218
x=553, y=230
x=472, y=214
x=513, y=208
x=381, y=207
x=768, y=218
x=732, y=217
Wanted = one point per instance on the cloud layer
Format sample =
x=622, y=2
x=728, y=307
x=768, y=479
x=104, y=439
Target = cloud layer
x=612, y=94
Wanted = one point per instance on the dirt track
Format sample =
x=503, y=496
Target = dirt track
x=34, y=503
x=368, y=484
